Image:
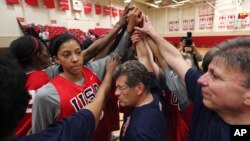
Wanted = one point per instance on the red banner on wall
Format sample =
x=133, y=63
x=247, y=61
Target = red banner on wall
x=63, y=5
x=32, y=2
x=114, y=12
x=121, y=12
x=98, y=9
x=49, y=3
x=87, y=7
x=107, y=10
x=12, y=1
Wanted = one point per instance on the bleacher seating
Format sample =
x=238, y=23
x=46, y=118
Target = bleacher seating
x=99, y=31
x=56, y=30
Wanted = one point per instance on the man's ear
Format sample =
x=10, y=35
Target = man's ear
x=247, y=99
x=140, y=88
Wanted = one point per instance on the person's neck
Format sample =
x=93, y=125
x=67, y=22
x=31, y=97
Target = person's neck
x=236, y=118
x=8, y=137
x=146, y=98
x=73, y=78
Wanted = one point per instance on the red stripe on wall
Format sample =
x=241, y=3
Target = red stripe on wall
x=204, y=41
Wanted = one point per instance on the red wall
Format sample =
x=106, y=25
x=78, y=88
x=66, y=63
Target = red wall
x=204, y=41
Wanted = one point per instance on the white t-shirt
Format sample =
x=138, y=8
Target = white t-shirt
x=44, y=35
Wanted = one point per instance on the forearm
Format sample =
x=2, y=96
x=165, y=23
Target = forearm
x=101, y=98
x=151, y=59
x=105, y=51
x=143, y=55
x=171, y=55
x=101, y=43
x=111, y=35
x=165, y=47
x=156, y=53
x=177, y=87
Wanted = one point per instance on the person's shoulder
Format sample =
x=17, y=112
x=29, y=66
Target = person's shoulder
x=148, y=112
x=85, y=68
x=53, y=67
x=52, y=70
x=193, y=74
x=36, y=79
x=46, y=91
x=38, y=74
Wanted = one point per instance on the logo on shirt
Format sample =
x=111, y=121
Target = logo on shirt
x=125, y=126
x=174, y=100
x=84, y=98
x=173, y=74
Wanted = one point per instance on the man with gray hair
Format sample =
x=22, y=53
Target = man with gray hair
x=222, y=95
x=137, y=88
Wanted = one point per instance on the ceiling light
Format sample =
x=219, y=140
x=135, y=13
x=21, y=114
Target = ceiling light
x=183, y=1
x=157, y=1
x=127, y=1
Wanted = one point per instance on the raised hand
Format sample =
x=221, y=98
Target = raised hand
x=112, y=63
x=147, y=27
x=122, y=21
x=134, y=19
x=136, y=37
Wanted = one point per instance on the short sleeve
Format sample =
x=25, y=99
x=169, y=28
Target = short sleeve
x=78, y=127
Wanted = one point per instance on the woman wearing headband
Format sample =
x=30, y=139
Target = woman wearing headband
x=32, y=56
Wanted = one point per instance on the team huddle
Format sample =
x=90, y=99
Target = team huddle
x=64, y=91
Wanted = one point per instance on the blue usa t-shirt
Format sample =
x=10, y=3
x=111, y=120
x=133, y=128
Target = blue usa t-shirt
x=147, y=122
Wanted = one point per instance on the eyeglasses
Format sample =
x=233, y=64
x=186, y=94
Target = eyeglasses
x=121, y=88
